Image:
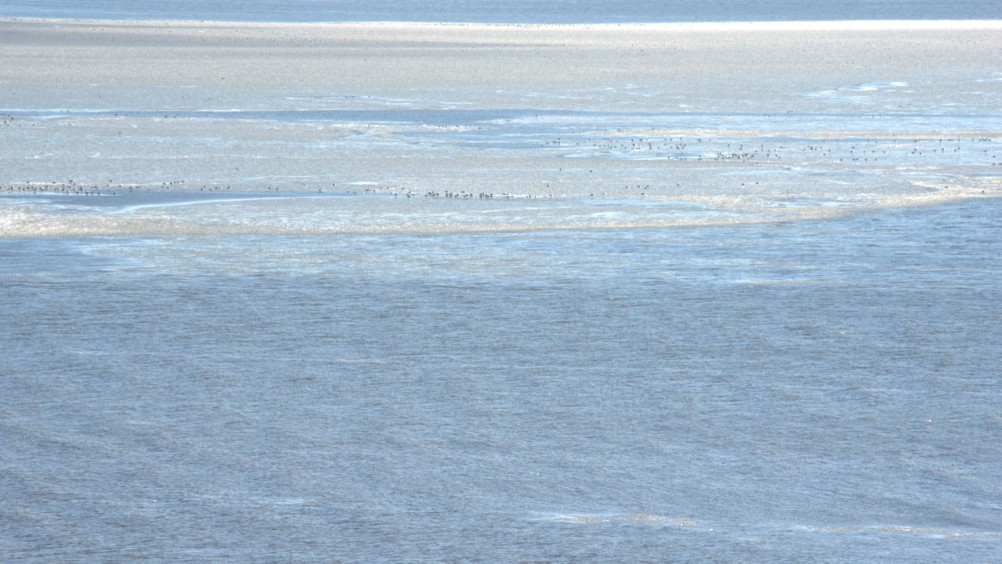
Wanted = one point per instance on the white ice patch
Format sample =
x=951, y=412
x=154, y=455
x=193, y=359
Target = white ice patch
x=873, y=86
x=855, y=89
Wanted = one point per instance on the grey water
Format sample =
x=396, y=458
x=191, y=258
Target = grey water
x=792, y=391
x=507, y=11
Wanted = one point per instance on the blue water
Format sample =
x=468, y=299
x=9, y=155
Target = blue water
x=507, y=11
x=358, y=376
x=816, y=390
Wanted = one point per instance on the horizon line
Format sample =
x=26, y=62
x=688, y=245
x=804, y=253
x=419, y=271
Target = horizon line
x=748, y=25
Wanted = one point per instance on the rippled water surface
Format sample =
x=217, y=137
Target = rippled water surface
x=767, y=391
x=268, y=296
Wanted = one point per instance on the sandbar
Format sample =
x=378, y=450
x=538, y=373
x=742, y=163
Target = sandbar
x=875, y=113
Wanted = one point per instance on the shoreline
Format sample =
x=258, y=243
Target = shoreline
x=619, y=110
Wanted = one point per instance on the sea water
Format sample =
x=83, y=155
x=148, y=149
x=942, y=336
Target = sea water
x=802, y=369
x=795, y=390
x=508, y=11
